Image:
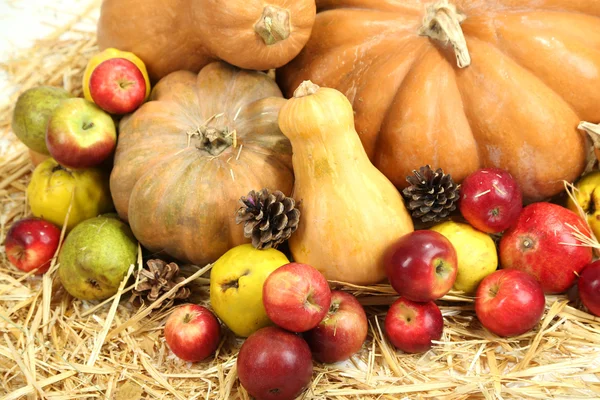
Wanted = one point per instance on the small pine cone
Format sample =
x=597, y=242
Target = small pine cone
x=269, y=218
x=157, y=278
x=431, y=196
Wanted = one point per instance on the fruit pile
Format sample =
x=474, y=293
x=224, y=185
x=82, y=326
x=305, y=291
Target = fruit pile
x=168, y=160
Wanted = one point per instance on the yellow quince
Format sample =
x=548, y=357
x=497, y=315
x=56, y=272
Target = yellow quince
x=236, y=285
x=53, y=188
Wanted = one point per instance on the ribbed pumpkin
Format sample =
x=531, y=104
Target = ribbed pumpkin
x=528, y=71
x=185, y=158
x=171, y=35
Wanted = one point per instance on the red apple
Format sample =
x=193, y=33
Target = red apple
x=274, y=364
x=490, y=200
x=421, y=265
x=411, y=326
x=80, y=134
x=192, y=332
x=509, y=302
x=31, y=243
x=117, y=86
x=296, y=297
x=589, y=287
x=542, y=243
x=342, y=332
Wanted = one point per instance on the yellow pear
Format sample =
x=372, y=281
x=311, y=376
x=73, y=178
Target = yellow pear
x=236, y=285
x=588, y=197
x=475, y=251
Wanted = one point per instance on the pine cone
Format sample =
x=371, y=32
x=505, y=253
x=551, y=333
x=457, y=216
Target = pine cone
x=431, y=196
x=157, y=279
x=269, y=218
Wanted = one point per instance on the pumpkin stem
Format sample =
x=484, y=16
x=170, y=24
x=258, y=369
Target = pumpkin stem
x=273, y=25
x=593, y=133
x=306, y=88
x=442, y=22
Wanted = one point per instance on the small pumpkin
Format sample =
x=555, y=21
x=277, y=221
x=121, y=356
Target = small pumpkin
x=185, y=158
x=351, y=213
x=462, y=84
x=171, y=35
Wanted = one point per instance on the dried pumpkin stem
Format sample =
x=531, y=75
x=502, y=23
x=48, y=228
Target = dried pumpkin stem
x=442, y=22
x=306, y=88
x=273, y=25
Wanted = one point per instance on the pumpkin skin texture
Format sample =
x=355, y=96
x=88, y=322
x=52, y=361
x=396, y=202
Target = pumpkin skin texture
x=172, y=35
x=178, y=192
x=533, y=75
x=351, y=213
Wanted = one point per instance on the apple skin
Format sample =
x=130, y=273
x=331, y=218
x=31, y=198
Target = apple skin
x=589, y=287
x=31, y=243
x=117, y=86
x=509, y=302
x=421, y=265
x=411, y=326
x=342, y=332
x=542, y=244
x=296, y=297
x=490, y=200
x=192, y=332
x=80, y=135
x=274, y=364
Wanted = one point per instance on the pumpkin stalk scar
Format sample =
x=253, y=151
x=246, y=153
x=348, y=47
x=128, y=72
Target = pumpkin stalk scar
x=273, y=25
x=442, y=22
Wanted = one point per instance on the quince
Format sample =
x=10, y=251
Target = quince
x=475, y=252
x=588, y=198
x=53, y=187
x=236, y=286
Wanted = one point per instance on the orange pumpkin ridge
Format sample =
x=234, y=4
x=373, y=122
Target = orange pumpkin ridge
x=534, y=67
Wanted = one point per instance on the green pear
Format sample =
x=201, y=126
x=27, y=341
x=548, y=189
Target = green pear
x=33, y=110
x=96, y=256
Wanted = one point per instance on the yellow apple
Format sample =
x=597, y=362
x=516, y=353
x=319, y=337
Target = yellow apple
x=236, y=286
x=475, y=251
x=588, y=197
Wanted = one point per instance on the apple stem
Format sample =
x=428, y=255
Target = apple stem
x=87, y=125
x=187, y=318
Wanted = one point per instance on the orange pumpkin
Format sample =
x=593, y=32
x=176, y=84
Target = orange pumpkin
x=462, y=84
x=171, y=35
x=185, y=158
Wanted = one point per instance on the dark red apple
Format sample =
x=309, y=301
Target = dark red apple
x=421, y=265
x=274, y=364
x=509, y=302
x=542, y=243
x=192, y=332
x=80, y=134
x=31, y=243
x=411, y=326
x=589, y=287
x=490, y=200
x=342, y=332
x=117, y=86
x=296, y=297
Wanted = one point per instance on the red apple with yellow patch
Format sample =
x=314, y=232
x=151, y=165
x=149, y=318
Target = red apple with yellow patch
x=192, y=332
x=296, y=297
x=31, y=244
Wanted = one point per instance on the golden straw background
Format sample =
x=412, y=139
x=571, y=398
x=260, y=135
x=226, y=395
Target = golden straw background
x=57, y=347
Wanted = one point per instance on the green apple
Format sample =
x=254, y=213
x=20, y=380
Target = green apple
x=588, y=198
x=31, y=114
x=80, y=134
x=475, y=251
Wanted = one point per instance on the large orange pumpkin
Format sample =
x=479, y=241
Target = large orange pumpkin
x=185, y=158
x=171, y=35
x=462, y=84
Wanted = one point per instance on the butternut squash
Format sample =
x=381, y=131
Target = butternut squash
x=351, y=213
